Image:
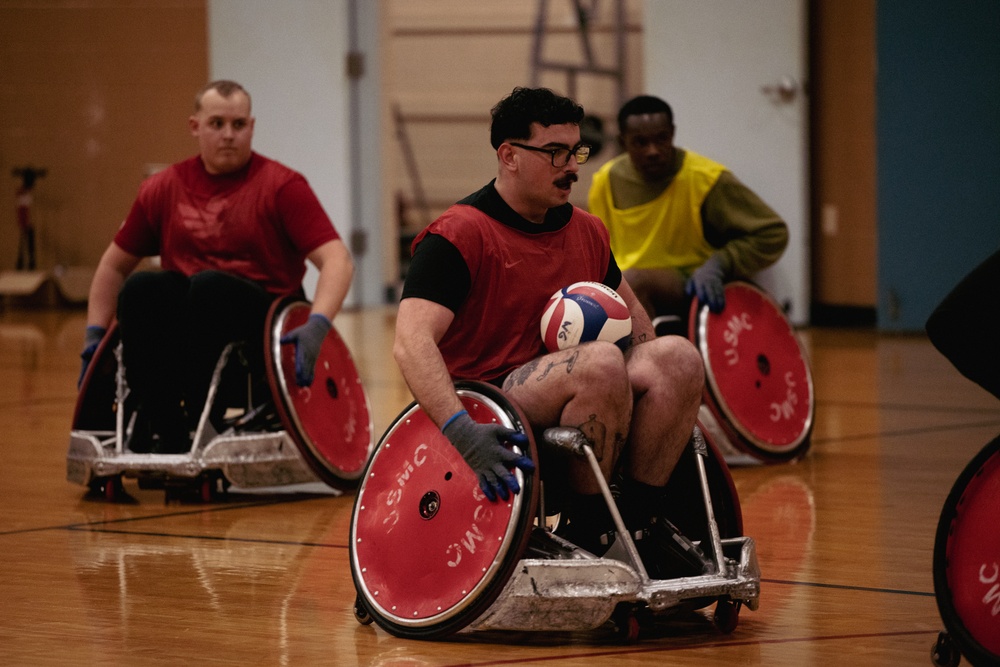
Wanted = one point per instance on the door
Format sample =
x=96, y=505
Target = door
x=734, y=74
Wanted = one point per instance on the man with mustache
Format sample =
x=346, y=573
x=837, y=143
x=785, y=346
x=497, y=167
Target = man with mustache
x=681, y=225
x=478, y=282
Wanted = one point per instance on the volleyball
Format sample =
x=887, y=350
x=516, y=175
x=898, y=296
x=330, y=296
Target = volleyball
x=584, y=312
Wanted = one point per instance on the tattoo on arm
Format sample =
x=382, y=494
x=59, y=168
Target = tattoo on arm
x=636, y=340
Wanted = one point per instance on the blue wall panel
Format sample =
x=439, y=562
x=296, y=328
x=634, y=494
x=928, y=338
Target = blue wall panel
x=938, y=129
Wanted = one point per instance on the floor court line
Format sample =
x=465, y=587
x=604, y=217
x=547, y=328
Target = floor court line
x=168, y=515
x=907, y=432
x=208, y=538
x=697, y=646
x=910, y=407
x=847, y=587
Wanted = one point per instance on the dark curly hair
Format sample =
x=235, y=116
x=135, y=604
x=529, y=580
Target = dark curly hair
x=514, y=114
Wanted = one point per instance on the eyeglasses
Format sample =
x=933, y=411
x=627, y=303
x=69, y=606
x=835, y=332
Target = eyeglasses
x=560, y=156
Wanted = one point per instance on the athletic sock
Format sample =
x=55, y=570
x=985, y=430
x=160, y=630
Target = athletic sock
x=665, y=552
x=589, y=524
x=639, y=503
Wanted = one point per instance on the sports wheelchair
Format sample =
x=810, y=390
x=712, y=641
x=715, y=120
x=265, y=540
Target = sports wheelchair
x=273, y=432
x=430, y=556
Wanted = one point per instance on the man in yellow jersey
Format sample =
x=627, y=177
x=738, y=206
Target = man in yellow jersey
x=681, y=225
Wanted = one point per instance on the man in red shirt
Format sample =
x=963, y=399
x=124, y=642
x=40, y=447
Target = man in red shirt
x=233, y=230
x=479, y=280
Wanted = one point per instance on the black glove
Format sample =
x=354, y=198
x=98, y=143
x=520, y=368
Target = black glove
x=91, y=339
x=481, y=445
x=308, y=339
x=706, y=282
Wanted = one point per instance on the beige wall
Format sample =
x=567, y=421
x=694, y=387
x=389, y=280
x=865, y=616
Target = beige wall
x=447, y=62
x=96, y=91
x=93, y=92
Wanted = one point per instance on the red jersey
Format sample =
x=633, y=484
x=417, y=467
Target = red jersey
x=514, y=267
x=259, y=223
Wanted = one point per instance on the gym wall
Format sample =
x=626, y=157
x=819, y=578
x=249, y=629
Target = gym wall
x=96, y=93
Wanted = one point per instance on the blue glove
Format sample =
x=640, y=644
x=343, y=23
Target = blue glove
x=307, y=338
x=481, y=445
x=706, y=283
x=91, y=339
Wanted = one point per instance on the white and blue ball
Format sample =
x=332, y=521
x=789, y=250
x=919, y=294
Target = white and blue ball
x=585, y=312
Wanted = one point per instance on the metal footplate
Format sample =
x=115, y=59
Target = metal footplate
x=567, y=588
x=247, y=460
x=581, y=592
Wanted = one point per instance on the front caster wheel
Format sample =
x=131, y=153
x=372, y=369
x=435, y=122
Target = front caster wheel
x=944, y=653
x=727, y=616
x=110, y=488
x=627, y=625
x=361, y=613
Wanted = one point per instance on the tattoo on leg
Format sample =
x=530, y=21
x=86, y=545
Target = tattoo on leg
x=569, y=361
x=520, y=375
x=596, y=432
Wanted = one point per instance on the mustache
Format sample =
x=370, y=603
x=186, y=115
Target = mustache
x=567, y=180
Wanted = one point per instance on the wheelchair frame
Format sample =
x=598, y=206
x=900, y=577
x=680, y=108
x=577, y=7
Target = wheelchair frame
x=540, y=581
x=99, y=459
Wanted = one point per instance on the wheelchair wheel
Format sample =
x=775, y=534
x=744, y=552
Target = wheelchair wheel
x=330, y=420
x=758, y=384
x=429, y=552
x=967, y=559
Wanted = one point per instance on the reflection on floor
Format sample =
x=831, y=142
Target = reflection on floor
x=845, y=536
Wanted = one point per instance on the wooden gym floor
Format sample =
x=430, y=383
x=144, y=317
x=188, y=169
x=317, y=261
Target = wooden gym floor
x=845, y=536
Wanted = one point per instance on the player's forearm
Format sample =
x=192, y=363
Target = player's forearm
x=754, y=252
x=336, y=270
x=750, y=234
x=426, y=375
x=102, y=302
x=642, y=327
